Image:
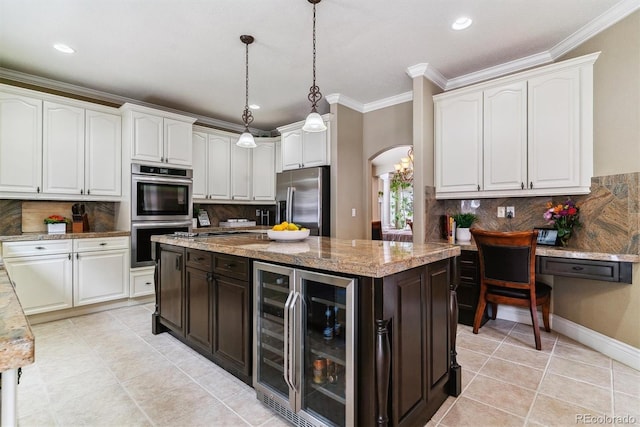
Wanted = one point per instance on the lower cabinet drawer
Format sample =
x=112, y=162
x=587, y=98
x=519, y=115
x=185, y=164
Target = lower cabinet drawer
x=610, y=271
x=142, y=284
x=100, y=244
x=33, y=247
x=231, y=266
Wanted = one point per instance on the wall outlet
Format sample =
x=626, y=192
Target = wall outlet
x=511, y=212
x=500, y=211
x=353, y=212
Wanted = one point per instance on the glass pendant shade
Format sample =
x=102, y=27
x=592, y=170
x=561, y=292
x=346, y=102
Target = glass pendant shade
x=246, y=140
x=314, y=123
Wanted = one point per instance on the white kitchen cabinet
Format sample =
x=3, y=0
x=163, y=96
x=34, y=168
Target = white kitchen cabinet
x=458, y=143
x=264, y=171
x=534, y=130
x=103, y=153
x=63, y=149
x=142, y=281
x=554, y=130
x=101, y=270
x=20, y=143
x=158, y=136
x=240, y=172
x=222, y=171
x=56, y=274
x=301, y=149
x=42, y=274
x=505, y=137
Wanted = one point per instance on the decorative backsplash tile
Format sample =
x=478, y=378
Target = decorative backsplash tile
x=223, y=212
x=610, y=214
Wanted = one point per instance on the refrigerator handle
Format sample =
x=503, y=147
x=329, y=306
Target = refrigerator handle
x=289, y=200
x=294, y=344
x=286, y=340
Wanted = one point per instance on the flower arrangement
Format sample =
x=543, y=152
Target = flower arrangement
x=563, y=217
x=55, y=219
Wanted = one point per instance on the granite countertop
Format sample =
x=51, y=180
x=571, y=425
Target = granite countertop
x=17, y=345
x=45, y=236
x=573, y=253
x=371, y=258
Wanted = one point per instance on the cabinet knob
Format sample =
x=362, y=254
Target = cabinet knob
x=478, y=187
x=103, y=244
x=69, y=256
x=88, y=191
x=77, y=256
x=38, y=190
x=522, y=185
x=531, y=184
x=81, y=191
x=40, y=247
x=147, y=283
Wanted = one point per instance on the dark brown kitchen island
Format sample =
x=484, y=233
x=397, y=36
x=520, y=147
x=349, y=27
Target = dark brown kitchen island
x=404, y=312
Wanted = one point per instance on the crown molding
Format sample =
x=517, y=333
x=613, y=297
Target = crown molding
x=388, y=102
x=97, y=95
x=338, y=98
x=601, y=23
x=429, y=72
x=500, y=70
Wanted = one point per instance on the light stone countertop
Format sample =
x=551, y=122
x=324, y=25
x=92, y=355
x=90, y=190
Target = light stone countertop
x=370, y=258
x=572, y=253
x=45, y=236
x=17, y=343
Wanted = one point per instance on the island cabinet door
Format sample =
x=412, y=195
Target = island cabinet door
x=170, y=297
x=415, y=302
x=198, y=297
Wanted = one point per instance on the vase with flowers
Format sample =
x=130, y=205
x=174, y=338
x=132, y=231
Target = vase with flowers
x=56, y=224
x=563, y=217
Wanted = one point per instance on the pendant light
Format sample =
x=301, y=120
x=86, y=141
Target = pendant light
x=246, y=139
x=314, y=122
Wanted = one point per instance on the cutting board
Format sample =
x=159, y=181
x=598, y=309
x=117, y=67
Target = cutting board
x=34, y=213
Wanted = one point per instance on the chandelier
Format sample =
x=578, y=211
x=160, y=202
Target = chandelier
x=314, y=122
x=404, y=169
x=246, y=139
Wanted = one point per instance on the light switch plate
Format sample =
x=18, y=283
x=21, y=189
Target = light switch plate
x=500, y=211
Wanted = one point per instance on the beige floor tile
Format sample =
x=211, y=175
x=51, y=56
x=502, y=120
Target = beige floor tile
x=505, y=326
x=56, y=370
x=491, y=333
x=441, y=412
x=626, y=406
x=477, y=343
x=467, y=412
x=78, y=384
x=249, y=408
x=528, y=341
x=210, y=416
x=529, y=357
x=50, y=329
x=177, y=403
x=471, y=360
x=624, y=369
x=221, y=384
x=589, y=396
x=521, y=328
x=39, y=418
x=553, y=412
x=276, y=421
x=467, y=377
x=625, y=383
x=136, y=364
x=513, y=373
x=581, y=371
x=582, y=354
x=196, y=365
x=502, y=395
x=32, y=399
x=156, y=381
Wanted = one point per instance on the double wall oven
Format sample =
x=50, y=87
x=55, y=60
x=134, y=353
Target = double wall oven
x=160, y=204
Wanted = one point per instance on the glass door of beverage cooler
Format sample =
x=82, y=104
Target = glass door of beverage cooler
x=274, y=289
x=326, y=386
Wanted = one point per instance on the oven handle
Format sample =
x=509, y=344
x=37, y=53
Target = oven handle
x=160, y=179
x=156, y=224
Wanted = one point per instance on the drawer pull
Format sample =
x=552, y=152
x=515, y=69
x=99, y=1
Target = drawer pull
x=40, y=247
x=229, y=265
x=69, y=256
x=103, y=244
x=577, y=268
x=200, y=259
x=147, y=283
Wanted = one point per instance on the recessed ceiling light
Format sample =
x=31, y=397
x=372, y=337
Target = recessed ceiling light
x=461, y=23
x=254, y=106
x=63, y=48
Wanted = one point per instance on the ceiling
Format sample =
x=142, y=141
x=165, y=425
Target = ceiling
x=186, y=54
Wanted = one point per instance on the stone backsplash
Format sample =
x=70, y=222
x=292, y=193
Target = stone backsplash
x=610, y=214
x=101, y=215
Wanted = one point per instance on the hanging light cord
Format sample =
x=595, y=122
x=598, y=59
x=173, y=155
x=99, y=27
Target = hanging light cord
x=314, y=91
x=247, y=116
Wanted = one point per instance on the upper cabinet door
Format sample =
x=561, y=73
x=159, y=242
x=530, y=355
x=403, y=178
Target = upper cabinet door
x=177, y=142
x=147, y=144
x=103, y=154
x=63, y=149
x=292, y=150
x=505, y=137
x=219, y=161
x=458, y=143
x=20, y=143
x=240, y=173
x=314, y=148
x=554, y=130
x=264, y=174
x=200, y=143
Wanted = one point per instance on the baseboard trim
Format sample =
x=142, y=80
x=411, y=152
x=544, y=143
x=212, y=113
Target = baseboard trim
x=51, y=316
x=617, y=350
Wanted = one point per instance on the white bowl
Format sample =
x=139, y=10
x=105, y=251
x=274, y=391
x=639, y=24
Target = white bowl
x=288, y=235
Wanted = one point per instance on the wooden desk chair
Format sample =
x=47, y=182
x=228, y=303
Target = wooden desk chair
x=508, y=276
x=376, y=230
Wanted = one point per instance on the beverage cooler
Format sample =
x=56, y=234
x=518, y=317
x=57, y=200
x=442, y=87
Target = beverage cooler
x=304, y=345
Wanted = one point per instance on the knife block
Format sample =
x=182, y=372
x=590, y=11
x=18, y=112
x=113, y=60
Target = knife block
x=80, y=224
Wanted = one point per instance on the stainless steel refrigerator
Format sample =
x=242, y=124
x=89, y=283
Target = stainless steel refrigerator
x=302, y=197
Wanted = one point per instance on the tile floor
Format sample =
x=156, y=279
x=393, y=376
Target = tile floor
x=108, y=369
